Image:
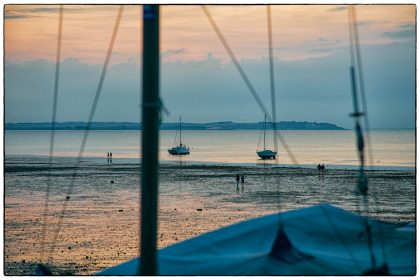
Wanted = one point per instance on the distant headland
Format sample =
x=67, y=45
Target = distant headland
x=284, y=125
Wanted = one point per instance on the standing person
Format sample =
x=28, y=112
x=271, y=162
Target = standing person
x=319, y=168
x=323, y=168
x=237, y=181
x=242, y=180
x=110, y=154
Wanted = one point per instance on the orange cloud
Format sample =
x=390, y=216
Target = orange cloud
x=299, y=31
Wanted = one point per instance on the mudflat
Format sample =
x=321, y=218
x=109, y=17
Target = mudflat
x=100, y=224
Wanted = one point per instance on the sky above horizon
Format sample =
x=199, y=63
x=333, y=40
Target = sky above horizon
x=198, y=79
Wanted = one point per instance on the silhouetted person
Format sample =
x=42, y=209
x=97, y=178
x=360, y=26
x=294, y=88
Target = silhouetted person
x=323, y=168
x=110, y=155
x=319, y=168
x=242, y=180
x=237, y=181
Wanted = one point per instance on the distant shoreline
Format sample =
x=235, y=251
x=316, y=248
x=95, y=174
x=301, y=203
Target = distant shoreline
x=285, y=125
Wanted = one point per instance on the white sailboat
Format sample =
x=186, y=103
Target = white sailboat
x=266, y=154
x=180, y=149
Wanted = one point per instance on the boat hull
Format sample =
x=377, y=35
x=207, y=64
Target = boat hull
x=179, y=151
x=267, y=154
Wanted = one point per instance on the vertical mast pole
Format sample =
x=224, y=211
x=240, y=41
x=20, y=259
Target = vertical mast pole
x=180, y=135
x=265, y=119
x=150, y=140
x=362, y=184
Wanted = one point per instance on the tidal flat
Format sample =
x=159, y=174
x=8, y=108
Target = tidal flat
x=99, y=226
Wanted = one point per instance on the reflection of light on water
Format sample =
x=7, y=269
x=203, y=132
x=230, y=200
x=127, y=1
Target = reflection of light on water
x=392, y=148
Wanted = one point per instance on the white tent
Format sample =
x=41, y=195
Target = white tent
x=319, y=240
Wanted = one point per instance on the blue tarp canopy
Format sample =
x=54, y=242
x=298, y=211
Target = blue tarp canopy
x=319, y=240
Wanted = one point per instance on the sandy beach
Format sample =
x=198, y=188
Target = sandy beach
x=101, y=225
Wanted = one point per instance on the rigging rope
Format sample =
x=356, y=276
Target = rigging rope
x=176, y=137
x=88, y=125
x=259, y=139
x=52, y=135
x=246, y=80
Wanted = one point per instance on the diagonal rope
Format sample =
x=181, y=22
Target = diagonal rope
x=259, y=139
x=88, y=126
x=52, y=136
x=176, y=137
x=246, y=80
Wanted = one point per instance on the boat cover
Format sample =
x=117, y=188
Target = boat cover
x=318, y=240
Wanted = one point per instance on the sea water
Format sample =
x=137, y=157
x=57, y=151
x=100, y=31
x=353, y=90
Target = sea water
x=390, y=149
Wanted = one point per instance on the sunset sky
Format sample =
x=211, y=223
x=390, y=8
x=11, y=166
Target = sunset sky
x=311, y=50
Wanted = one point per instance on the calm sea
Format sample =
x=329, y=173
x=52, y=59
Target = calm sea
x=393, y=149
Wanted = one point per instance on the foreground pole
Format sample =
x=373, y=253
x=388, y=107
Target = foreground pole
x=150, y=140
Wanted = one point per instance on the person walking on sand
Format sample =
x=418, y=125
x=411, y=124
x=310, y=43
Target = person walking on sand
x=237, y=181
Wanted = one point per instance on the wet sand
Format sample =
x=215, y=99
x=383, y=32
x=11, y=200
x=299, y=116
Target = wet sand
x=101, y=225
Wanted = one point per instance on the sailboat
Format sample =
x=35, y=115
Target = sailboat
x=266, y=154
x=181, y=149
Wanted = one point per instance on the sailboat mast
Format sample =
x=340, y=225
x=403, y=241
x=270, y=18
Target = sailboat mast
x=265, y=119
x=180, y=135
x=150, y=140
